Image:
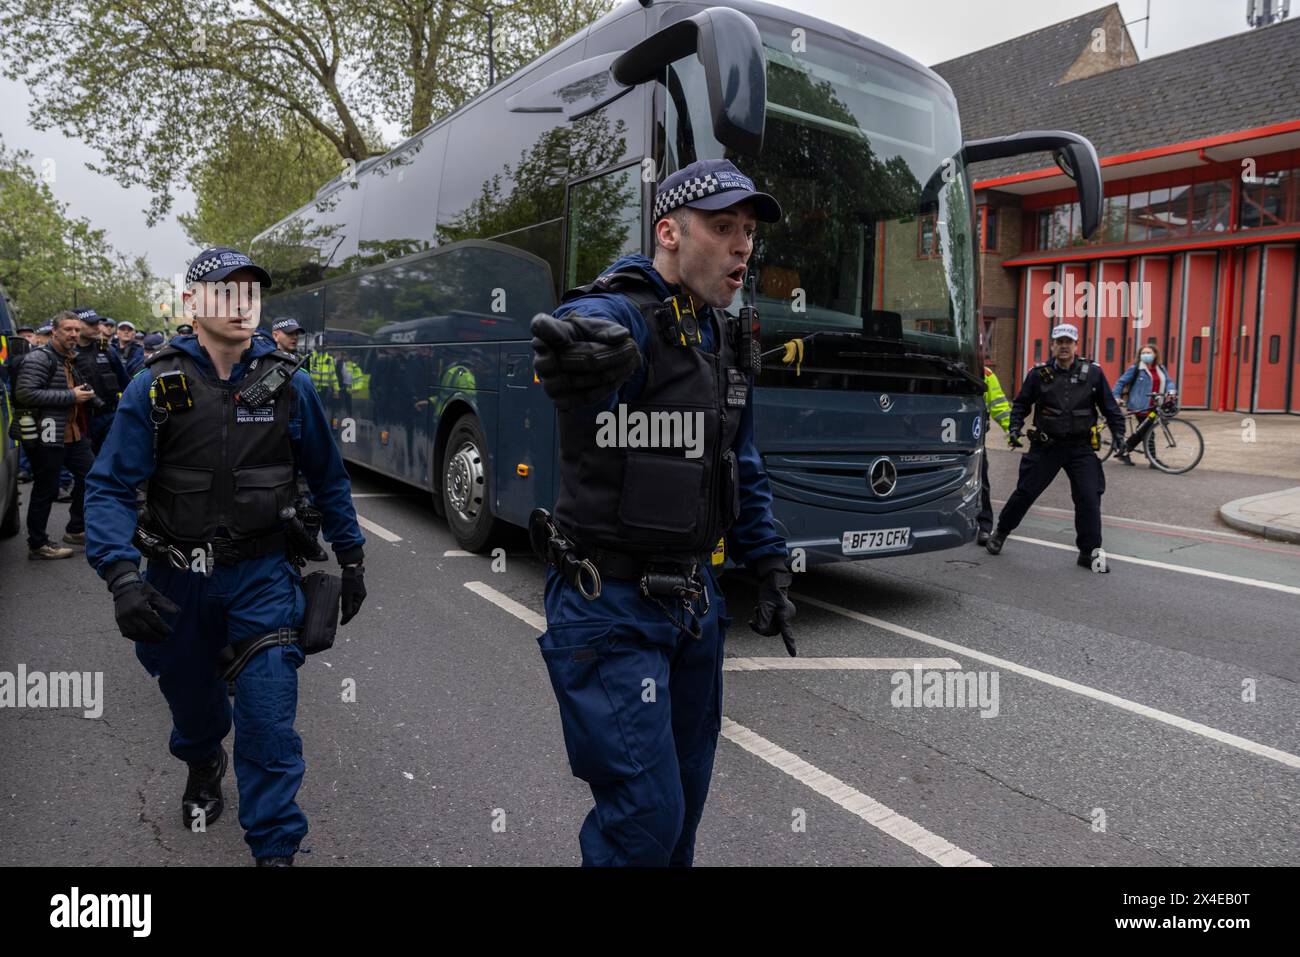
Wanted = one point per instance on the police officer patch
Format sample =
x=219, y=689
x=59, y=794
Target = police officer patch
x=263, y=413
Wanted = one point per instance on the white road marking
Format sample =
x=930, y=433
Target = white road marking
x=1108, y=519
x=835, y=664
x=1195, y=727
x=379, y=530
x=457, y=553
x=884, y=819
x=1167, y=566
x=506, y=603
x=873, y=812
x=378, y=495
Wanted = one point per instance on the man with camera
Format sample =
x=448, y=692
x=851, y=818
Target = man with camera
x=54, y=433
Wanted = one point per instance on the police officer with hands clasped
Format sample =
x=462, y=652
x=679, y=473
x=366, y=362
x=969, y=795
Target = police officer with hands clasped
x=214, y=428
x=635, y=619
x=100, y=367
x=1065, y=394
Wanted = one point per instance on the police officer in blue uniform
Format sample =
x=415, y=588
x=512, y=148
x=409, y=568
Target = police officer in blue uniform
x=1066, y=394
x=635, y=620
x=216, y=426
x=101, y=368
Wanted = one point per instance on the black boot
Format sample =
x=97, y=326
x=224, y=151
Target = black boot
x=994, y=544
x=983, y=537
x=203, y=791
x=1123, y=455
x=1085, y=560
x=274, y=861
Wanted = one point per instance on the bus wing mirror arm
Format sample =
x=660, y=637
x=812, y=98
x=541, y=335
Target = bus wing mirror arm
x=1073, y=153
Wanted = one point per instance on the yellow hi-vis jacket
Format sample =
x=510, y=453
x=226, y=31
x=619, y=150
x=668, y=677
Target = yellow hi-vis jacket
x=320, y=365
x=996, y=400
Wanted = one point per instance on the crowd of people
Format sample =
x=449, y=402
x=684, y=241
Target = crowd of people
x=98, y=358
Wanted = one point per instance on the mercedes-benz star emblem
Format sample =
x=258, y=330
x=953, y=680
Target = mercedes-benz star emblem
x=883, y=477
x=886, y=403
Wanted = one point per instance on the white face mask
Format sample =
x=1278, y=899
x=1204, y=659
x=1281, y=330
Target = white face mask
x=1148, y=358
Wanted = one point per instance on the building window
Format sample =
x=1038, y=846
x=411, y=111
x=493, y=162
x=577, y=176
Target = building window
x=987, y=225
x=1274, y=349
x=927, y=240
x=1110, y=350
x=1038, y=351
x=1269, y=200
x=1211, y=207
x=1196, y=349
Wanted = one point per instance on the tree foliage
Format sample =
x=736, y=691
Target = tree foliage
x=158, y=85
x=50, y=261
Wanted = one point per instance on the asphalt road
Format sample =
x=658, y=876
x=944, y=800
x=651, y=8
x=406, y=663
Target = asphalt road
x=1118, y=735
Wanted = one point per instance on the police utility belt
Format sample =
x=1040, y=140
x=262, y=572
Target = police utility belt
x=676, y=578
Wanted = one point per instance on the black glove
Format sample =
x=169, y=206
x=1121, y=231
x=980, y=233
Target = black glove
x=773, y=611
x=137, y=605
x=354, y=592
x=581, y=359
x=1014, y=439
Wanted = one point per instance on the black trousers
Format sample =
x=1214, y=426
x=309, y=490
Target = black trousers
x=47, y=462
x=1087, y=483
x=985, y=518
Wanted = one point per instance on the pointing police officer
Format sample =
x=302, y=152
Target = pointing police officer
x=635, y=620
x=216, y=428
x=1066, y=394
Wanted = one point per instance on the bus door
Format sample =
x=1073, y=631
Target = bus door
x=525, y=461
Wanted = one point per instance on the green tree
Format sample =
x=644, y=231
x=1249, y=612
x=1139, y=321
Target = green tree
x=49, y=261
x=157, y=85
x=253, y=177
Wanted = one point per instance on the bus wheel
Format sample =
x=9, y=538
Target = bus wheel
x=465, y=487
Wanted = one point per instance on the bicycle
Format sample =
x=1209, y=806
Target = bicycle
x=1173, y=445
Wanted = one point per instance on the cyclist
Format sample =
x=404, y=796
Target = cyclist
x=1145, y=382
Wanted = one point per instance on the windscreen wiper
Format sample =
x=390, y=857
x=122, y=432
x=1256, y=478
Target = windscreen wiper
x=956, y=368
x=953, y=368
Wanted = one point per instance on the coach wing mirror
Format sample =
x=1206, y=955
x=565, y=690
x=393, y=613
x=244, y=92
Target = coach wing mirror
x=1073, y=154
x=574, y=91
x=729, y=48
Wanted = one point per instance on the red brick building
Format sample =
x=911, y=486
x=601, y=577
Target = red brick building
x=1200, y=155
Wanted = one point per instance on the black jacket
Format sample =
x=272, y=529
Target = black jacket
x=42, y=388
x=1066, y=402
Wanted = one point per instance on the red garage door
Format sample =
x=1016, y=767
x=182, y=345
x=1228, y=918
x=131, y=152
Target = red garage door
x=1273, y=335
x=1035, y=317
x=1191, y=367
x=1243, y=347
x=1108, y=341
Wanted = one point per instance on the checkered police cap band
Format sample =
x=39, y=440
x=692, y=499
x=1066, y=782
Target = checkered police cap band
x=225, y=260
x=686, y=192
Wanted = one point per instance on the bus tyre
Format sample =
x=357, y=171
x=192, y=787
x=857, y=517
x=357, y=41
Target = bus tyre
x=466, y=485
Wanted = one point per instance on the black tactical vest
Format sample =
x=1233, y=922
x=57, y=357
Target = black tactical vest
x=1066, y=407
x=95, y=368
x=221, y=465
x=656, y=502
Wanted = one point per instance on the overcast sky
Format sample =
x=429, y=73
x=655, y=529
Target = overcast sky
x=930, y=31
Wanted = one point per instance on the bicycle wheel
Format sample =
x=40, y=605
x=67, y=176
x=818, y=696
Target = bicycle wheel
x=1175, y=446
x=1106, y=441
